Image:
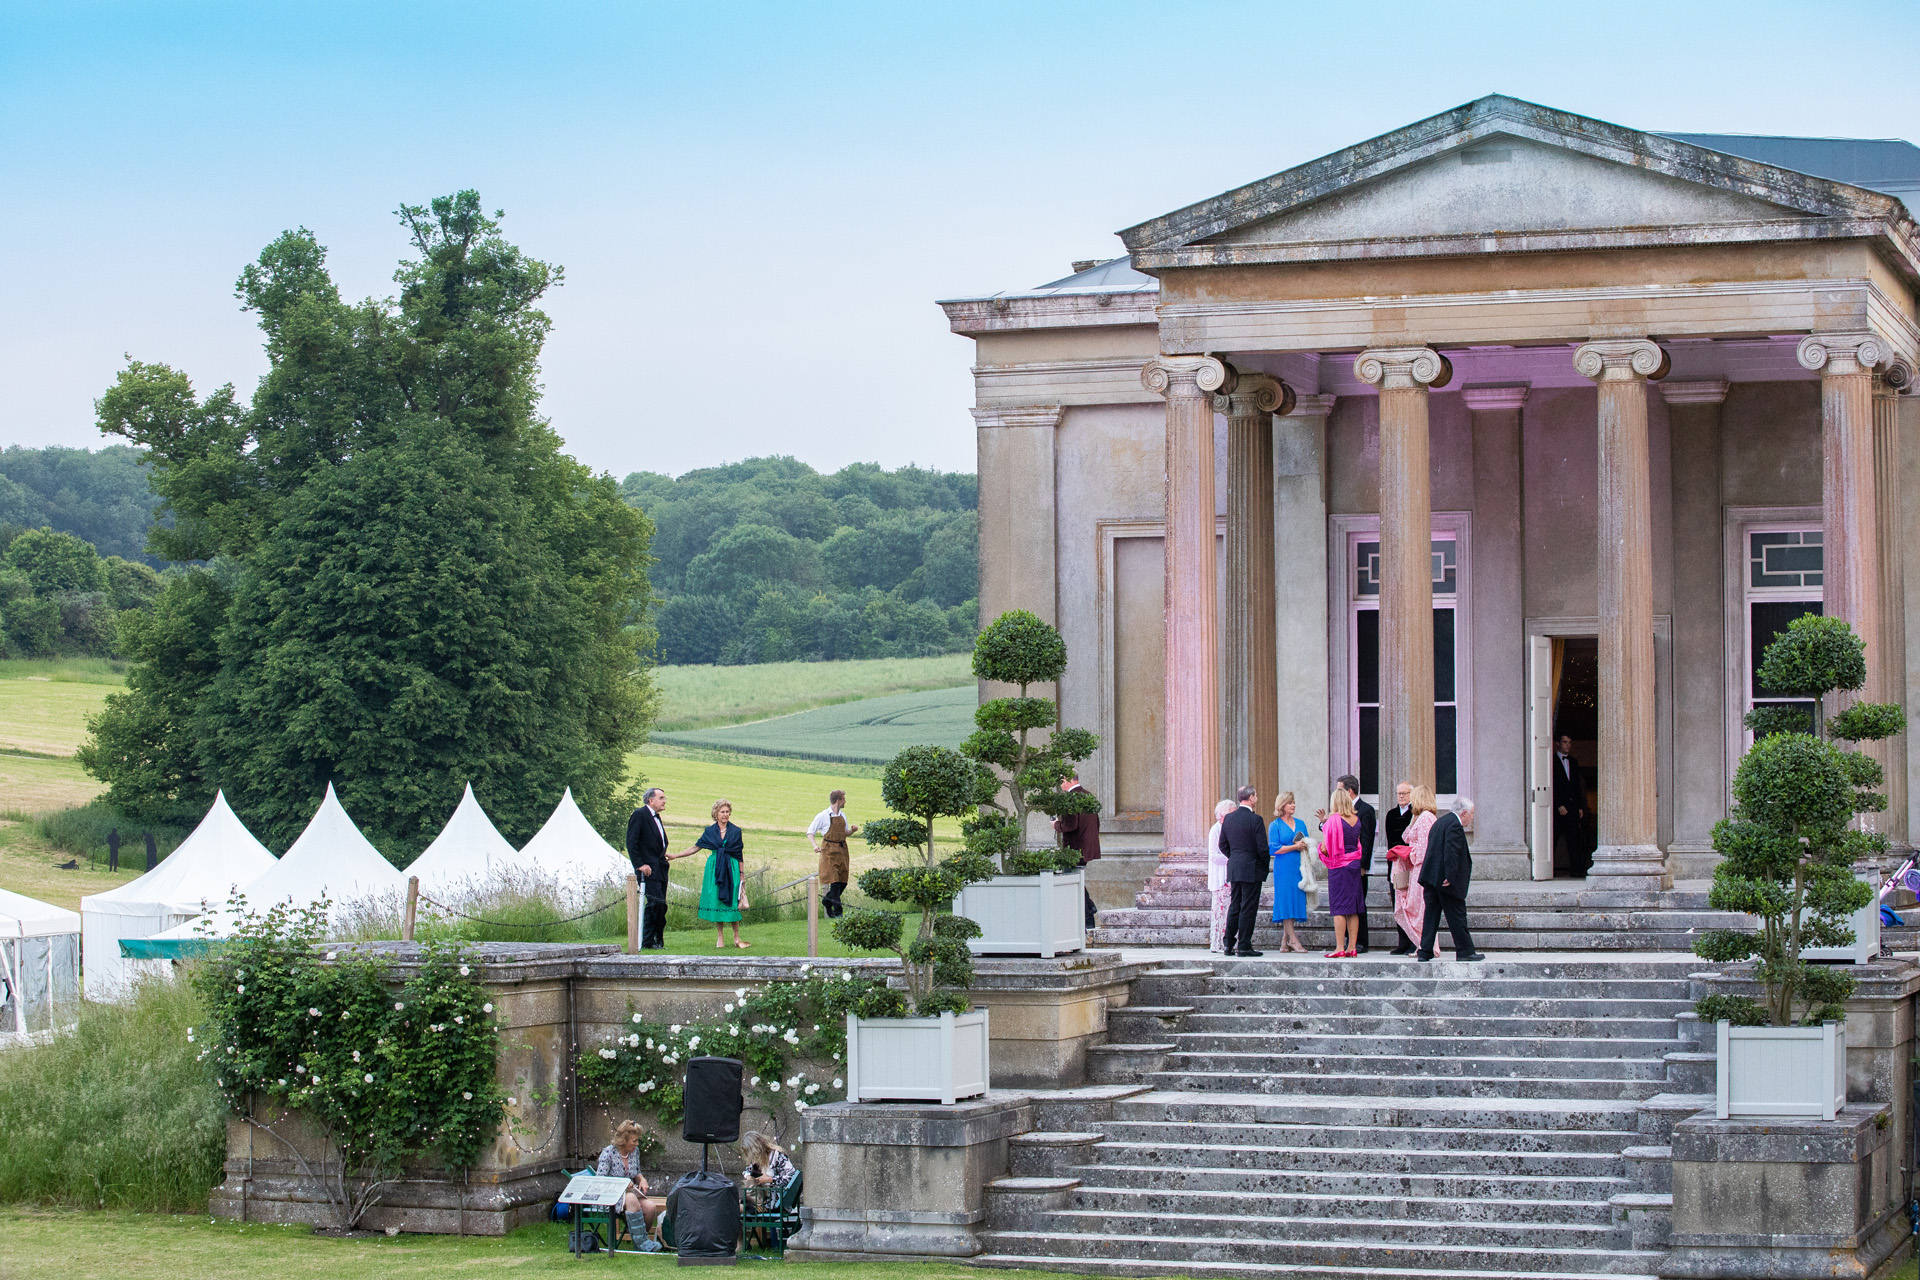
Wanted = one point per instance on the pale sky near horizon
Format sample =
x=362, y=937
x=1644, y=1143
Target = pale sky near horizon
x=758, y=204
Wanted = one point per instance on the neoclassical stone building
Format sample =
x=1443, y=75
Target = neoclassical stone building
x=1507, y=421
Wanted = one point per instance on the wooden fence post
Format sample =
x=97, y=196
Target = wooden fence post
x=633, y=913
x=413, y=909
x=813, y=915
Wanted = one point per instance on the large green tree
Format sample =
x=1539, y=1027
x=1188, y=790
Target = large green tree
x=416, y=587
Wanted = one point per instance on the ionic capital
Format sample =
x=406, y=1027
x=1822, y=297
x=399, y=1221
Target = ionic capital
x=1187, y=377
x=1699, y=391
x=1402, y=368
x=1896, y=378
x=1617, y=360
x=1252, y=394
x=1495, y=399
x=1017, y=415
x=1841, y=353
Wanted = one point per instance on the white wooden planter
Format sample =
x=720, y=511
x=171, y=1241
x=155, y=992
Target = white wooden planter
x=1043, y=915
x=941, y=1059
x=1866, y=930
x=1782, y=1071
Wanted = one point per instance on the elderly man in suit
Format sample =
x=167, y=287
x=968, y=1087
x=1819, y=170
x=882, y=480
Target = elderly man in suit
x=1393, y=831
x=1446, y=875
x=1570, y=856
x=647, y=850
x=1244, y=836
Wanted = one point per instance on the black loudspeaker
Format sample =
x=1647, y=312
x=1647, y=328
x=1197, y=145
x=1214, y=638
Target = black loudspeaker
x=712, y=1100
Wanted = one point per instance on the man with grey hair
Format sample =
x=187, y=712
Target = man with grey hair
x=647, y=850
x=1446, y=875
x=1244, y=837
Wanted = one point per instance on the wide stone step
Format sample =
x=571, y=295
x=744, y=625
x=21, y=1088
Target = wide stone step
x=1356, y=1255
x=1437, y=1028
x=1627, y=936
x=1464, y=1184
x=1249, y=1107
x=1447, y=1207
x=1409, y=1086
x=1266, y=1227
x=1579, y=1164
x=1383, y=980
x=1261, y=1271
x=1308, y=1044
x=1449, y=1004
x=1422, y=1138
x=1500, y=1066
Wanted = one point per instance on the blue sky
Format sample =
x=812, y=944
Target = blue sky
x=756, y=204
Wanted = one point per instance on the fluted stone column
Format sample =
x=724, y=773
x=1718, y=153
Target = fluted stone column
x=1300, y=544
x=1895, y=378
x=1193, y=646
x=1404, y=375
x=1629, y=855
x=1699, y=621
x=1249, y=695
x=1848, y=516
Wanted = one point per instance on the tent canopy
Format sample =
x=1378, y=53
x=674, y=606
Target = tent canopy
x=570, y=851
x=24, y=917
x=468, y=852
x=219, y=855
x=331, y=859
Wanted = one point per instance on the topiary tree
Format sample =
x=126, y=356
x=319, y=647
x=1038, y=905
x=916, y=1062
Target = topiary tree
x=1021, y=649
x=922, y=784
x=1789, y=844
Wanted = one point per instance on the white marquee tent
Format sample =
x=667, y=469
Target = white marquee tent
x=567, y=849
x=39, y=964
x=220, y=856
x=467, y=854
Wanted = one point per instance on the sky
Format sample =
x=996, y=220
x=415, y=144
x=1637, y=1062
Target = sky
x=757, y=205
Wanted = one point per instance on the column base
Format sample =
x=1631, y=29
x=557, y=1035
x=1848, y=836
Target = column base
x=1628, y=867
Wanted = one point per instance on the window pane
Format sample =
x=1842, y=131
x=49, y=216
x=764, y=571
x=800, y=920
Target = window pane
x=1369, y=750
x=1443, y=655
x=1806, y=710
x=1770, y=619
x=1367, y=634
x=1446, y=753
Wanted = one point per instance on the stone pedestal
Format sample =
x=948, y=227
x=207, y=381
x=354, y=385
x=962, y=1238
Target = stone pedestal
x=1046, y=1014
x=902, y=1181
x=1780, y=1198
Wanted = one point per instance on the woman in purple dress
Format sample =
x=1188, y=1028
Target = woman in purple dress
x=1346, y=888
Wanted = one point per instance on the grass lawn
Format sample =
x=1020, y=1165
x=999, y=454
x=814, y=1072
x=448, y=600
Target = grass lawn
x=701, y=697
x=36, y=784
x=781, y=938
x=120, y=1246
x=28, y=865
x=872, y=730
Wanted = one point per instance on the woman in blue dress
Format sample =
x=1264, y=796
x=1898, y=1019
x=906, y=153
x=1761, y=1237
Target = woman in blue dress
x=1287, y=840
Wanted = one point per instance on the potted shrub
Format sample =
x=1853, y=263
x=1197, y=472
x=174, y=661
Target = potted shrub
x=927, y=1042
x=1789, y=846
x=1035, y=906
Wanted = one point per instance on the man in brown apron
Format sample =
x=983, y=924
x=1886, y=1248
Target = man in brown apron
x=830, y=831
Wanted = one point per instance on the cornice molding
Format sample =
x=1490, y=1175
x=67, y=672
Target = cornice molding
x=1615, y=360
x=1698, y=391
x=1003, y=313
x=1317, y=406
x=1018, y=415
x=1495, y=399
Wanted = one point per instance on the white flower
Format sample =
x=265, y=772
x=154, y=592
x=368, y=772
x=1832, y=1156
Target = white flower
x=313, y=1079
x=368, y=1077
x=487, y=1008
x=283, y=1082
x=241, y=988
x=838, y=1083
x=799, y=1104
x=299, y=1070
x=793, y=1082
x=189, y=1035
x=356, y=1055
x=728, y=1008
x=806, y=968
x=771, y=1084
x=812, y=1089
x=836, y=1057
x=313, y=1013
x=816, y=1026
x=649, y=1043
x=755, y=1082
x=332, y=954
x=694, y=1043
x=636, y=1019
x=846, y=975
x=633, y=1041
x=513, y=1102
x=397, y=1006
x=467, y=1095
x=734, y=1030
x=608, y=1054
x=741, y=992
x=464, y=971
x=674, y=1030
x=460, y=1018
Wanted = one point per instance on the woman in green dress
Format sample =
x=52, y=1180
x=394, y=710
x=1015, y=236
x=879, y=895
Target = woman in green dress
x=723, y=885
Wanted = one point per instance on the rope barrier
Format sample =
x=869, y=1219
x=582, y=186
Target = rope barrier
x=519, y=924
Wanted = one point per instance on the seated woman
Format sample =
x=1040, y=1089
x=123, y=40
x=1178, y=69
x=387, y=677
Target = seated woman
x=767, y=1166
x=621, y=1159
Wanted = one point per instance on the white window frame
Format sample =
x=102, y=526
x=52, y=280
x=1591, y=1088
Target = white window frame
x=1343, y=720
x=1741, y=524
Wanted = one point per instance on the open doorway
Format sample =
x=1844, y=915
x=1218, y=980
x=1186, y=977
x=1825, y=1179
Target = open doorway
x=1576, y=731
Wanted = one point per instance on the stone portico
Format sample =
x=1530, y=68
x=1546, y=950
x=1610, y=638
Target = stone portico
x=1395, y=461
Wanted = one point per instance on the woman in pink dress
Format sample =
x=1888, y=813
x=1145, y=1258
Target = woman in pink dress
x=1219, y=891
x=1410, y=903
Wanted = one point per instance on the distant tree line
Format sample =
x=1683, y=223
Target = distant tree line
x=59, y=597
x=767, y=560
x=100, y=496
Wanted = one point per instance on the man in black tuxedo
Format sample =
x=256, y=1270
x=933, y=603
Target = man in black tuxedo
x=1570, y=856
x=1446, y=875
x=647, y=850
x=1394, y=830
x=1368, y=820
x=1244, y=836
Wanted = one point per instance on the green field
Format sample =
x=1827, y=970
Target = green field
x=869, y=731
x=703, y=697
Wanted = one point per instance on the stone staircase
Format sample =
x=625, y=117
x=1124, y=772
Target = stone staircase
x=1311, y=1118
x=1172, y=910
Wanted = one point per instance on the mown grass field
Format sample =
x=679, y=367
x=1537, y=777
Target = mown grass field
x=870, y=731
x=702, y=697
x=100, y=1246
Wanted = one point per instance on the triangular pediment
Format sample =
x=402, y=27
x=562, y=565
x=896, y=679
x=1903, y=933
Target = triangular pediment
x=1498, y=175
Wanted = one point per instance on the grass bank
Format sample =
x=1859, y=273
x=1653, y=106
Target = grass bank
x=870, y=731
x=703, y=697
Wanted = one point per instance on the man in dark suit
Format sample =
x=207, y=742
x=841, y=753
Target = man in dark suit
x=1446, y=875
x=1570, y=856
x=1081, y=833
x=1368, y=820
x=647, y=850
x=1244, y=836
x=1394, y=832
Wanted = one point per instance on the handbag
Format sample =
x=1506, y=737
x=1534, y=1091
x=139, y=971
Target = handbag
x=1400, y=874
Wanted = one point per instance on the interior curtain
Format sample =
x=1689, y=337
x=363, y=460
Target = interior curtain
x=1559, y=660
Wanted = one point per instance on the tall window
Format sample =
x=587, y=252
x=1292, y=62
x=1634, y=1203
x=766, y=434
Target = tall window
x=1365, y=662
x=1785, y=572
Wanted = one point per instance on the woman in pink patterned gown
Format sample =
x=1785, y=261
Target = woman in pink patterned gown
x=1410, y=903
x=1220, y=893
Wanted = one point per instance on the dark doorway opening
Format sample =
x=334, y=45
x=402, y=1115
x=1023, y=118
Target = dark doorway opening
x=1576, y=715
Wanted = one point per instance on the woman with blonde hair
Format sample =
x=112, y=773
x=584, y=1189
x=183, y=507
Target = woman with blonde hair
x=1221, y=893
x=1340, y=853
x=723, y=887
x=1287, y=842
x=621, y=1159
x=768, y=1171
x=1409, y=899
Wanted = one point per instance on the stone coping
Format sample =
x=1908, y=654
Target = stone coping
x=1885, y=978
x=1000, y=1113
x=1848, y=1138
